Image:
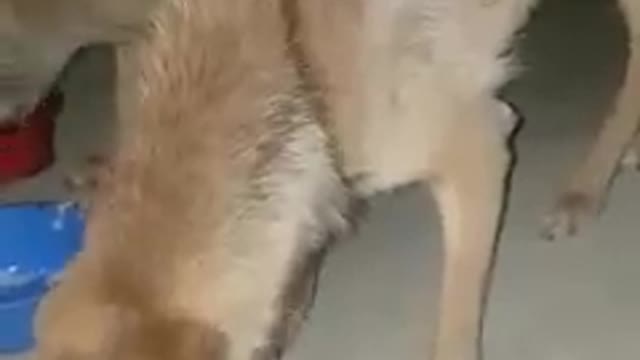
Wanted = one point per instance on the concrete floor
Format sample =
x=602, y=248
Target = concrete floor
x=577, y=299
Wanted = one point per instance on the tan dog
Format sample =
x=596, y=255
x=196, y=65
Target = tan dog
x=585, y=194
x=248, y=127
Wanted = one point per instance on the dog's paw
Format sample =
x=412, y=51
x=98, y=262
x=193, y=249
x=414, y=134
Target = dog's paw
x=572, y=210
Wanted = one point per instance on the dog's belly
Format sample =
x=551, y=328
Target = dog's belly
x=425, y=66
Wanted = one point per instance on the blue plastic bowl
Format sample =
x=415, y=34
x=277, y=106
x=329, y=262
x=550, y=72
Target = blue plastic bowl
x=36, y=241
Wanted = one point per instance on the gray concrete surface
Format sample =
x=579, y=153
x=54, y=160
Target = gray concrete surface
x=572, y=300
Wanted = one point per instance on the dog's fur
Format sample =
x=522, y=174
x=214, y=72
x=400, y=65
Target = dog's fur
x=585, y=194
x=247, y=127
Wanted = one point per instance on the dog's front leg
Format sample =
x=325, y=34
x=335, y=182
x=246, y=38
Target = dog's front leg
x=469, y=187
x=584, y=196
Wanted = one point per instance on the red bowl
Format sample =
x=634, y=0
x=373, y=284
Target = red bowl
x=26, y=145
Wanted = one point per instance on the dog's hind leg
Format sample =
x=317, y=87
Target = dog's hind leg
x=469, y=188
x=584, y=197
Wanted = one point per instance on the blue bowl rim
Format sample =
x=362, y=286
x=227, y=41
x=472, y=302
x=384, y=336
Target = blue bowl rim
x=38, y=204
